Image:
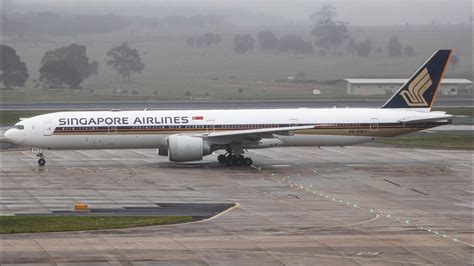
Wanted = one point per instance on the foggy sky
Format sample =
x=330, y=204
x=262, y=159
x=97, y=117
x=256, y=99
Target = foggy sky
x=367, y=12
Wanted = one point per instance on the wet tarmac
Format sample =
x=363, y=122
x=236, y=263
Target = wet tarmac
x=336, y=206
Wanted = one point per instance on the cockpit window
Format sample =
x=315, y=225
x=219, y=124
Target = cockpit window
x=20, y=127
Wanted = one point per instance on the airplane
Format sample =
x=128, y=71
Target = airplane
x=189, y=135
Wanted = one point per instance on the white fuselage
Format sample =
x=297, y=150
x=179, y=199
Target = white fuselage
x=150, y=129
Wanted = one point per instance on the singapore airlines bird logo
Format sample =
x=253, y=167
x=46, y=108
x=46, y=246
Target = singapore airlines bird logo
x=414, y=95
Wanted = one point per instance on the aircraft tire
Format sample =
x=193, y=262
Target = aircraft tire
x=248, y=162
x=239, y=161
x=230, y=161
x=41, y=161
x=221, y=158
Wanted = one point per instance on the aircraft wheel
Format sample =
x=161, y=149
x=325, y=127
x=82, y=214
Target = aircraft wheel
x=41, y=161
x=230, y=161
x=221, y=158
x=239, y=161
x=248, y=162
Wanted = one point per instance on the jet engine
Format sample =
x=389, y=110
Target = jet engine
x=186, y=148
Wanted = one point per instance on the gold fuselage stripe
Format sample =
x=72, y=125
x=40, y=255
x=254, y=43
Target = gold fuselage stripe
x=358, y=129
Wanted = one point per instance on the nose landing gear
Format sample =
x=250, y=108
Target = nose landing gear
x=41, y=160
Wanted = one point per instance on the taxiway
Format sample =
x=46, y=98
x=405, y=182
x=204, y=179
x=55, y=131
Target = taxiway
x=338, y=206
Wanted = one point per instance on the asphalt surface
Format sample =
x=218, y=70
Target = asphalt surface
x=359, y=205
x=219, y=104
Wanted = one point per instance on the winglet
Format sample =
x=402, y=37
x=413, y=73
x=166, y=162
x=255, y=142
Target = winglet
x=421, y=89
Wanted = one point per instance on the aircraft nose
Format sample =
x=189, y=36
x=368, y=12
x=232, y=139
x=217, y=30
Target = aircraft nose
x=10, y=135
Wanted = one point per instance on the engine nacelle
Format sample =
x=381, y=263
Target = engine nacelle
x=187, y=148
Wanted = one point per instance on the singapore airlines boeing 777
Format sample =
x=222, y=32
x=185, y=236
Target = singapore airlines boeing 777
x=188, y=135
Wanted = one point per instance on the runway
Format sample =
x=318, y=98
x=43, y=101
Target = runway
x=308, y=206
x=220, y=104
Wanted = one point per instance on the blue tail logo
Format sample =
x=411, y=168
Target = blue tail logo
x=420, y=90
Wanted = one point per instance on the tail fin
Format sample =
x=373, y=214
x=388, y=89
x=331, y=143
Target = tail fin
x=420, y=90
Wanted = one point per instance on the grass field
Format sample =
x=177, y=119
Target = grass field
x=451, y=140
x=172, y=69
x=36, y=224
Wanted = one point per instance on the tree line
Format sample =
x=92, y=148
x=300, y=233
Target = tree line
x=67, y=66
x=244, y=43
x=204, y=40
x=291, y=43
x=331, y=36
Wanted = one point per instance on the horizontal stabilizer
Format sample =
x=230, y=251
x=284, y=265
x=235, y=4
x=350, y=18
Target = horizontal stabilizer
x=414, y=119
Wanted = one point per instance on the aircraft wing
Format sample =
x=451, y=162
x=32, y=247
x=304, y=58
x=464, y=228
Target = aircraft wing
x=256, y=133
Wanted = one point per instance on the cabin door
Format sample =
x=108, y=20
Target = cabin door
x=211, y=126
x=111, y=139
x=374, y=124
x=293, y=122
x=47, y=128
x=112, y=130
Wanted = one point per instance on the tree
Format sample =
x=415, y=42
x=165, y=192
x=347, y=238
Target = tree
x=454, y=60
x=267, y=40
x=13, y=71
x=243, y=43
x=56, y=74
x=198, y=41
x=125, y=61
x=408, y=50
x=326, y=13
x=294, y=43
x=352, y=47
x=75, y=61
x=394, y=47
x=329, y=34
x=208, y=39
x=364, y=48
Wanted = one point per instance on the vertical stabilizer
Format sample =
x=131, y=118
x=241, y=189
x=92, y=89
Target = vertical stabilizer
x=421, y=89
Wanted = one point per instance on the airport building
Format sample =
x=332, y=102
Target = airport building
x=389, y=86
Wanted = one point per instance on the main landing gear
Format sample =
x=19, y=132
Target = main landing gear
x=41, y=160
x=234, y=160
